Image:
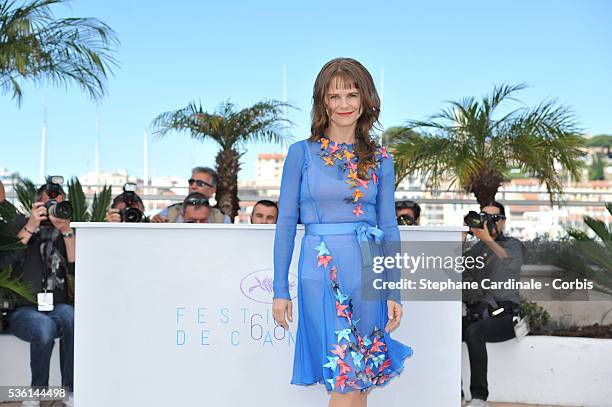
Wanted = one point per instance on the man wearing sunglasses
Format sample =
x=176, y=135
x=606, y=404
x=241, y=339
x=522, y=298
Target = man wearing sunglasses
x=408, y=213
x=490, y=312
x=195, y=208
x=204, y=181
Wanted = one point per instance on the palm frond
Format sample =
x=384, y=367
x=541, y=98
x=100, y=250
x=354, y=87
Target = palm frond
x=264, y=122
x=40, y=48
x=8, y=213
x=591, y=257
x=599, y=227
x=421, y=154
x=25, y=190
x=76, y=196
x=100, y=204
x=9, y=240
x=15, y=288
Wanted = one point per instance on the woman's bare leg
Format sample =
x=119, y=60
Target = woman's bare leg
x=364, y=397
x=352, y=399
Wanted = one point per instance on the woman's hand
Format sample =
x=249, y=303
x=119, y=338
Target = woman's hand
x=282, y=309
x=395, y=315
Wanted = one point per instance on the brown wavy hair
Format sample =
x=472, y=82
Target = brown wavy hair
x=348, y=73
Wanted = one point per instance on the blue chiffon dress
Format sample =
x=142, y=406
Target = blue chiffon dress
x=341, y=341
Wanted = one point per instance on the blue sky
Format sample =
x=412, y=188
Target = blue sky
x=172, y=53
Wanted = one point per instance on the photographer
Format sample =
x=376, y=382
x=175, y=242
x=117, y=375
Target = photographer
x=47, y=260
x=489, y=312
x=204, y=181
x=126, y=207
x=408, y=213
x=195, y=209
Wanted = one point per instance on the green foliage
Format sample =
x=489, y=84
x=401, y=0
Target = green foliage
x=8, y=213
x=76, y=196
x=602, y=140
x=100, y=204
x=25, y=190
x=396, y=134
x=38, y=47
x=229, y=127
x=538, y=317
x=11, y=288
x=8, y=233
x=596, y=170
x=591, y=257
x=471, y=145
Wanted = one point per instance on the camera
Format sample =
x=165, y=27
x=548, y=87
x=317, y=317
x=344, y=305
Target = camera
x=477, y=220
x=61, y=210
x=406, y=220
x=130, y=213
x=196, y=202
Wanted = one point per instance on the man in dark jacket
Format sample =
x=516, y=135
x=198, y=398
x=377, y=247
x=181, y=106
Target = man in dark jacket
x=47, y=260
x=490, y=312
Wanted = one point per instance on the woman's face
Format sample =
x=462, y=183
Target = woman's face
x=343, y=106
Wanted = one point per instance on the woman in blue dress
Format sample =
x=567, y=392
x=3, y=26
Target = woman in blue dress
x=341, y=185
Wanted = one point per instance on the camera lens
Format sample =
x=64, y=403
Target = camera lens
x=405, y=220
x=61, y=210
x=132, y=215
x=473, y=220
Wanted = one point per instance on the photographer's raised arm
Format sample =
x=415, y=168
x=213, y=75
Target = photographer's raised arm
x=497, y=249
x=484, y=235
x=37, y=215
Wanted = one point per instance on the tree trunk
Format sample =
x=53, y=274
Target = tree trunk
x=228, y=165
x=485, y=185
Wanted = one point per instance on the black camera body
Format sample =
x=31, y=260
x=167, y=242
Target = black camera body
x=130, y=213
x=406, y=220
x=60, y=210
x=477, y=220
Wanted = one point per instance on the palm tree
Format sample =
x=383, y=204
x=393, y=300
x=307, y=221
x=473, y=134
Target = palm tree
x=470, y=145
x=26, y=190
x=38, y=47
x=233, y=130
x=591, y=257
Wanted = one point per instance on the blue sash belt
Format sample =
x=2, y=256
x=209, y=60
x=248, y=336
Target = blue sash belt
x=364, y=233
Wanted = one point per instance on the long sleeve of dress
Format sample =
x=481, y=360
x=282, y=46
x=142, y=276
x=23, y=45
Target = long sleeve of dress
x=284, y=237
x=387, y=221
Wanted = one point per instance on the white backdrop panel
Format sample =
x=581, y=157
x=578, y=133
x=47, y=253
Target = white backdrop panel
x=181, y=315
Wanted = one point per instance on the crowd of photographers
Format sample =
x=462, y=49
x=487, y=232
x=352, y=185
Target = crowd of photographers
x=47, y=264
